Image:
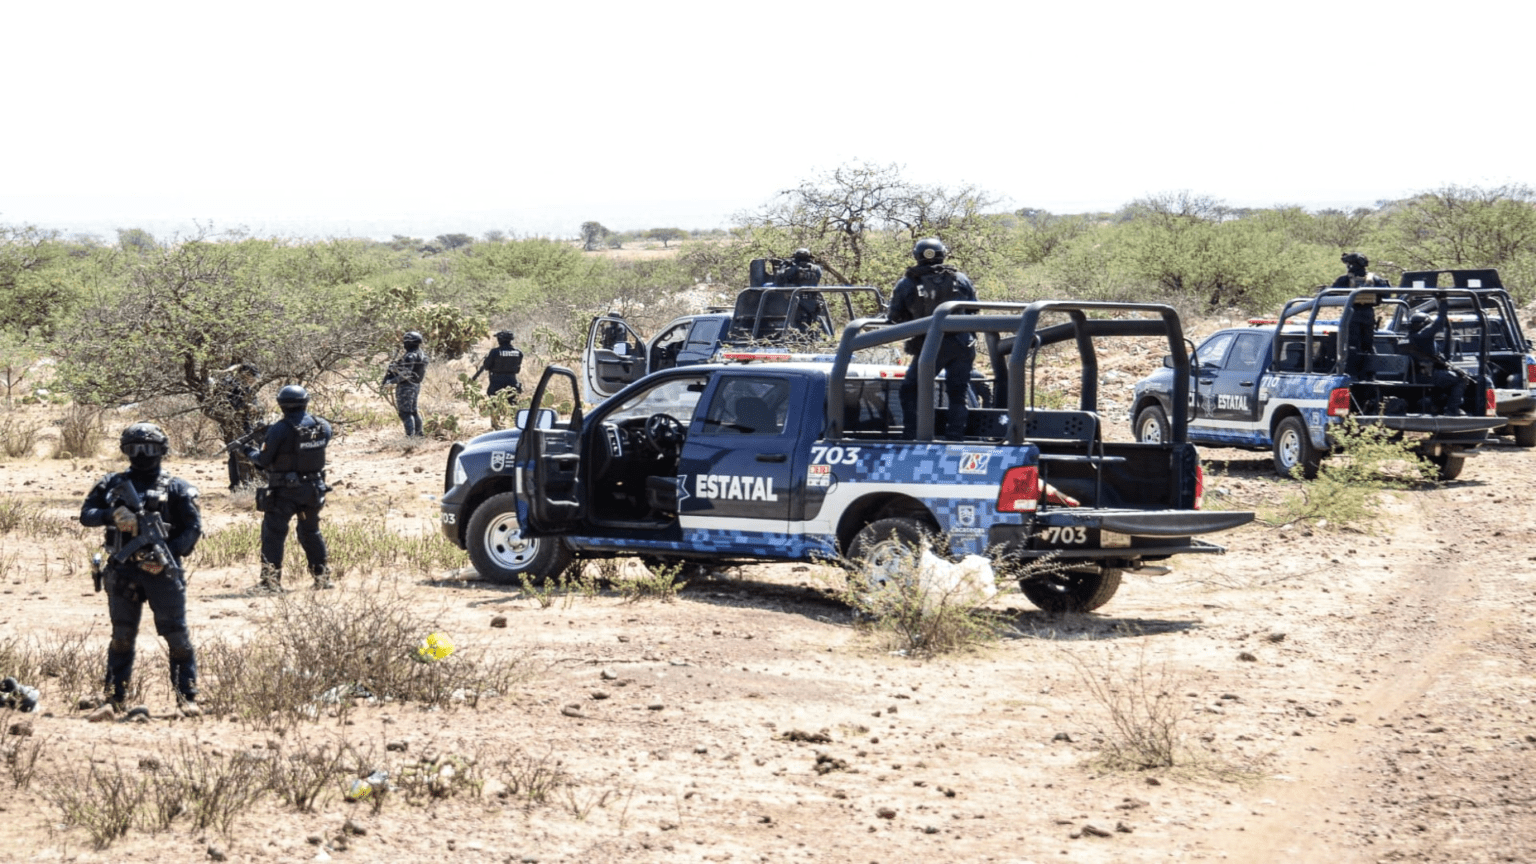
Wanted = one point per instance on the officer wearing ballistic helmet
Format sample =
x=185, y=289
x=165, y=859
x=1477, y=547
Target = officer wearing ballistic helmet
x=1357, y=276
x=406, y=372
x=293, y=456
x=924, y=287
x=503, y=362
x=237, y=389
x=152, y=524
x=802, y=271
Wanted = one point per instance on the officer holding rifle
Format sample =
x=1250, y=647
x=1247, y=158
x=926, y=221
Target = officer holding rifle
x=152, y=523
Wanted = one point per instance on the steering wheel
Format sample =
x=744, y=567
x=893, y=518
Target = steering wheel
x=664, y=434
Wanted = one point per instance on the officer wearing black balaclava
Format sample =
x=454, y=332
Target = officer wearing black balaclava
x=406, y=372
x=148, y=575
x=293, y=456
x=925, y=286
x=802, y=271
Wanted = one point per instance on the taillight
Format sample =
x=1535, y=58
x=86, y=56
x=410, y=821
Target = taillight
x=1020, y=491
x=1338, y=402
x=1199, y=485
x=1530, y=372
x=1493, y=402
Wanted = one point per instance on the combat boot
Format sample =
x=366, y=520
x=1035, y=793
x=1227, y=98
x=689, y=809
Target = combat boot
x=188, y=706
x=323, y=579
x=270, y=581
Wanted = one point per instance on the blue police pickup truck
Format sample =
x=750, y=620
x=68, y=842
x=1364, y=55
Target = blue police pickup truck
x=1285, y=385
x=806, y=461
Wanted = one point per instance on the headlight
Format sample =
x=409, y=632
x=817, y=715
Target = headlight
x=459, y=474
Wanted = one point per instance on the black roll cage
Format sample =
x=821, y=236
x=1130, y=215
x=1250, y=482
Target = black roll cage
x=1346, y=300
x=1005, y=325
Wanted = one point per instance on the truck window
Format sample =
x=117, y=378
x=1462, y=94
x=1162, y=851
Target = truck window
x=1213, y=350
x=677, y=397
x=1247, y=353
x=664, y=350
x=748, y=406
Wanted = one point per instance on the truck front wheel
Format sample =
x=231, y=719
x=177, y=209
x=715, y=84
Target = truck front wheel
x=1152, y=425
x=1072, y=590
x=1293, y=448
x=499, y=551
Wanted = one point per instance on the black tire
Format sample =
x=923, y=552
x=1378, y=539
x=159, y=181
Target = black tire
x=1293, y=447
x=887, y=549
x=1449, y=465
x=499, y=552
x=1072, y=590
x=1152, y=425
x=1525, y=436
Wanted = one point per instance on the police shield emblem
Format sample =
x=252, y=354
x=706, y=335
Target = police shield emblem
x=965, y=514
x=498, y=460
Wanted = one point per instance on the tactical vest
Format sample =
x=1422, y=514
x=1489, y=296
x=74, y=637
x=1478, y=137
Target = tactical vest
x=155, y=498
x=302, y=451
x=504, y=361
x=935, y=289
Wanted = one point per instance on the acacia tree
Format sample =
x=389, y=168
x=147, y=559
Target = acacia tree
x=186, y=311
x=32, y=293
x=592, y=236
x=1464, y=226
x=861, y=220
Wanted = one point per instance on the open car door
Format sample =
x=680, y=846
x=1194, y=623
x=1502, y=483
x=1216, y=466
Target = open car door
x=615, y=357
x=551, y=499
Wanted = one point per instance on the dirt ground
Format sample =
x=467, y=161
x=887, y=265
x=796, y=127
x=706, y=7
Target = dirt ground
x=1343, y=697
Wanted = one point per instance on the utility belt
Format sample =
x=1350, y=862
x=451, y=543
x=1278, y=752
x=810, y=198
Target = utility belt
x=304, y=488
x=295, y=478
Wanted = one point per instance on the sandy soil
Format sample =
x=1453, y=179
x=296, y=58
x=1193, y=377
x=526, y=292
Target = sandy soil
x=1345, y=697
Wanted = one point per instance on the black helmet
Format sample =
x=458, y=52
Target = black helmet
x=802, y=256
x=144, y=439
x=412, y=337
x=293, y=398
x=929, y=251
x=1418, y=320
x=1355, y=258
x=503, y=335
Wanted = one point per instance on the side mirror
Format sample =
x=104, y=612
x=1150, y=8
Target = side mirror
x=1167, y=361
x=545, y=420
x=621, y=349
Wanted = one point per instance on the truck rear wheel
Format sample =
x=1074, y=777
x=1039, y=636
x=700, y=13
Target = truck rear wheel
x=1072, y=590
x=499, y=551
x=1525, y=436
x=1293, y=448
x=1152, y=425
x=888, y=549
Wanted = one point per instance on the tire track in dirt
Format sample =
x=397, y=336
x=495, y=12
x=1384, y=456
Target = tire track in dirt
x=1350, y=797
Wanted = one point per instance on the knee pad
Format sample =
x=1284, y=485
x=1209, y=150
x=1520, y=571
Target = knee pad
x=179, y=645
x=120, y=644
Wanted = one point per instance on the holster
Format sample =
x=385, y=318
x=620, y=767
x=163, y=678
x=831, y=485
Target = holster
x=261, y=499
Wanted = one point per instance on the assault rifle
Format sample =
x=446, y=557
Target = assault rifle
x=257, y=431
x=150, y=544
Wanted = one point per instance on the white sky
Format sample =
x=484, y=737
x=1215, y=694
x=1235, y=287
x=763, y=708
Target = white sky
x=352, y=118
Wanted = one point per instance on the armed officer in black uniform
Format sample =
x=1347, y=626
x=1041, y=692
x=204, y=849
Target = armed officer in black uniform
x=1446, y=381
x=293, y=456
x=407, y=372
x=802, y=271
x=926, y=285
x=504, y=362
x=136, y=506
x=238, y=390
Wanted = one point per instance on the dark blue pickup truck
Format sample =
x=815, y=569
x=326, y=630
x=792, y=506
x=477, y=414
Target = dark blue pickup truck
x=806, y=461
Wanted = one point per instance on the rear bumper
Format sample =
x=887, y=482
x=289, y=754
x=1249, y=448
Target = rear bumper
x=1117, y=538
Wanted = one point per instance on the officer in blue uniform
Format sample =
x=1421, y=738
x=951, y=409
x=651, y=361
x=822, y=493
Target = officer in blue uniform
x=407, y=372
x=148, y=575
x=926, y=285
x=503, y=362
x=293, y=456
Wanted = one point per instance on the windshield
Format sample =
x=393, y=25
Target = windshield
x=675, y=396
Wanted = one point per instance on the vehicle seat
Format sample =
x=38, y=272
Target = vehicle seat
x=1292, y=357
x=1392, y=367
x=661, y=494
x=755, y=417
